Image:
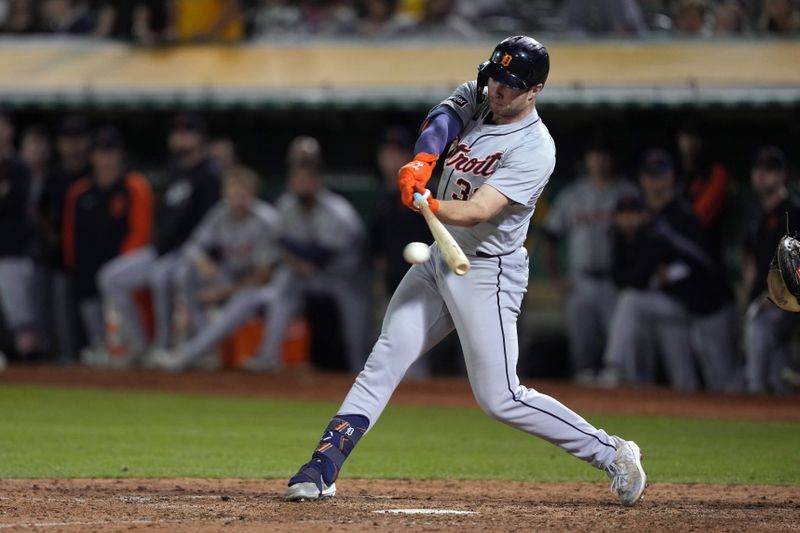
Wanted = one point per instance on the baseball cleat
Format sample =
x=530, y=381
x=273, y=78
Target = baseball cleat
x=309, y=490
x=261, y=364
x=308, y=484
x=628, y=479
x=161, y=359
x=791, y=377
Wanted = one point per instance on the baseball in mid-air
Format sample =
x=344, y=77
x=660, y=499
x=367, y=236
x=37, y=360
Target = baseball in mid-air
x=416, y=252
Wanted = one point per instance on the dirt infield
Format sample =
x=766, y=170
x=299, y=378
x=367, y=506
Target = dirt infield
x=256, y=505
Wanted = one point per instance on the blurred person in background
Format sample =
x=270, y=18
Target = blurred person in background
x=230, y=259
x=21, y=17
x=73, y=145
x=768, y=328
x=705, y=182
x=279, y=19
x=780, y=18
x=323, y=248
x=593, y=18
x=657, y=181
x=106, y=215
x=192, y=187
x=671, y=294
x=222, y=153
x=334, y=18
x=67, y=17
x=285, y=20
x=439, y=21
x=393, y=224
x=36, y=151
x=730, y=19
x=581, y=216
x=377, y=17
x=206, y=20
x=16, y=266
x=691, y=19
x=140, y=21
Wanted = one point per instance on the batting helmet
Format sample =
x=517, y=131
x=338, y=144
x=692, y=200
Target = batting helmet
x=519, y=62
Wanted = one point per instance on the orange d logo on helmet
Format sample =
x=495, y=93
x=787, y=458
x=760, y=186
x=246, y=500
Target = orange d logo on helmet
x=506, y=61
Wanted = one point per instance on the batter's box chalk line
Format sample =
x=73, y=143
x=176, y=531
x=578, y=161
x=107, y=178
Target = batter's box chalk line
x=423, y=511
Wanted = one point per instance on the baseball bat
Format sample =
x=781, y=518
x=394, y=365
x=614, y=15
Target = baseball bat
x=451, y=251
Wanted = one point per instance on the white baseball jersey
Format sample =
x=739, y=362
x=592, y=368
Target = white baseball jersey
x=333, y=223
x=516, y=159
x=582, y=214
x=241, y=243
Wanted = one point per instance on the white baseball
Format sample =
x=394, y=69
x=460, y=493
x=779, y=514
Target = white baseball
x=416, y=252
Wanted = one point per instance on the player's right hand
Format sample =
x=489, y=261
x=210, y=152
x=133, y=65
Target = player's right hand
x=424, y=196
x=416, y=172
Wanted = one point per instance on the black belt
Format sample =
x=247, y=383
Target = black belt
x=597, y=274
x=484, y=254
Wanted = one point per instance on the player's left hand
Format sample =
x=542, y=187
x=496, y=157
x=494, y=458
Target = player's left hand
x=416, y=173
x=424, y=196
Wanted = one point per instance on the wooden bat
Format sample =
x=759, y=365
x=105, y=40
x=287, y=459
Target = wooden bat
x=452, y=252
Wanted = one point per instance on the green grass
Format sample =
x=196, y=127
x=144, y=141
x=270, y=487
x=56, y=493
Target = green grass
x=52, y=432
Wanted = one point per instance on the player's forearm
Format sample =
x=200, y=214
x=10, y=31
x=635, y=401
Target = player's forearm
x=460, y=213
x=259, y=276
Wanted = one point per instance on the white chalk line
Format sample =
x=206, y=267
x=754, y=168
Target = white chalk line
x=424, y=511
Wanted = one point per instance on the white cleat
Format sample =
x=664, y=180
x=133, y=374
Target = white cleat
x=300, y=492
x=628, y=479
x=95, y=357
x=161, y=359
x=261, y=365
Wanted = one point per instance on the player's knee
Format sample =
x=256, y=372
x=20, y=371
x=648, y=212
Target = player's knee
x=629, y=300
x=495, y=405
x=105, y=279
x=158, y=278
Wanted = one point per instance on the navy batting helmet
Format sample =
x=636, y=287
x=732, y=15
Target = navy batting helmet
x=519, y=62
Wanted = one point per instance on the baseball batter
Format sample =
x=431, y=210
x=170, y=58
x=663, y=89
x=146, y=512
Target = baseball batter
x=500, y=158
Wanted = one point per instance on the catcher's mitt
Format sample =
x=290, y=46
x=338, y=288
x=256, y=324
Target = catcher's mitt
x=783, y=280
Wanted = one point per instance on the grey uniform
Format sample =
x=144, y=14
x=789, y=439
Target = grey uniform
x=240, y=245
x=332, y=224
x=582, y=215
x=517, y=160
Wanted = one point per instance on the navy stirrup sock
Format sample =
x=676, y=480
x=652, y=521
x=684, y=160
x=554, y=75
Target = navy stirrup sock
x=338, y=440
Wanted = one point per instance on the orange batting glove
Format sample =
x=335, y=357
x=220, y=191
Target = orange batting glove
x=424, y=196
x=416, y=172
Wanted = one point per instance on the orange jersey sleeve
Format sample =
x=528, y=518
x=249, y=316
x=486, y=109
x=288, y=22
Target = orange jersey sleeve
x=140, y=213
x=709, y=198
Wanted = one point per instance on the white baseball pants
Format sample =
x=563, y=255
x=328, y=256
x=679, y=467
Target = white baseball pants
x=483, y=307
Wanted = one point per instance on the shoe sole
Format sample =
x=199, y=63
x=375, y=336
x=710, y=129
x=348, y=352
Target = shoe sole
x=300, y=492
x=637, y=454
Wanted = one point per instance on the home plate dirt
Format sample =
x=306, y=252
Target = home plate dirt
x=256, y=505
